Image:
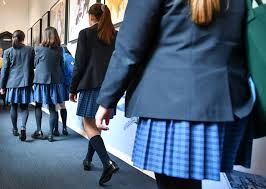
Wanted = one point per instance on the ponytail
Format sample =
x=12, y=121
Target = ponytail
x=17, y=38
x=106, y=30
x=203, y=11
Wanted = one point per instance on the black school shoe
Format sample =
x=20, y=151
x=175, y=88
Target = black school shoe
x=56, y=133
x=86, y=165
x=15, y=132
x=108, y=172
x=38, y=135
x=65, y=132
x=22, y=136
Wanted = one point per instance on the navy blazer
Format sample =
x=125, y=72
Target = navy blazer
x=91, y=60
x=175, y=69
x=49, y=64
x=18, y=67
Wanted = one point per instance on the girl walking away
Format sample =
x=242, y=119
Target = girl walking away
x=49, y=85
x=182, y=65
x=68, y=70
x=94, y=49
x=16, y=80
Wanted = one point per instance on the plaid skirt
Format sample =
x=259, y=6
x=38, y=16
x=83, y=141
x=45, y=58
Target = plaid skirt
x=87, y=105
x=22, y=95
x=50, y=94
x=189, y=150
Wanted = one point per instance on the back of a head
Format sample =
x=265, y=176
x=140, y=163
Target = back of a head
x=106, y=30
x=51, y=38
x=17, y=38
x=203, y=11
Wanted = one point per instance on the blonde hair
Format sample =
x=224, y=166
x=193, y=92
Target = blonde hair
x=203, y=11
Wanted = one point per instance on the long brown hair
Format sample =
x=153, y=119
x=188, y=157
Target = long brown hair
x=106, y=30
x=203, y=11
x=51, y=38
x=17, y=38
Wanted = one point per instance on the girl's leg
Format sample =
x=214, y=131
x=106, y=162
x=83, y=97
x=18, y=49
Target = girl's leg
x=52, y=121
x=97, y=143
x=167, y=182
x=63, y=113
x=24, y=116
x=38, y=134
x=14, y=118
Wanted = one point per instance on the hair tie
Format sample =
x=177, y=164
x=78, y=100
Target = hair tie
x=103, y=7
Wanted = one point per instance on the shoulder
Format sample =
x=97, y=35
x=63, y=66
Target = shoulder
x=29, y=48
x=8, y=50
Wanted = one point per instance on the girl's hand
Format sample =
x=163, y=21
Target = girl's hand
x=2, y=91
x=73, y=97
x=103, y=114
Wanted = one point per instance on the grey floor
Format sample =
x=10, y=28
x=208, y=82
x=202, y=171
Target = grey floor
x=38, y=164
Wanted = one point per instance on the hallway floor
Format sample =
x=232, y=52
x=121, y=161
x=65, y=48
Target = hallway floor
x=39, y=164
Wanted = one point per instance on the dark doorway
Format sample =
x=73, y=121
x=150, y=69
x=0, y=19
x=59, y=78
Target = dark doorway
x=5, y=40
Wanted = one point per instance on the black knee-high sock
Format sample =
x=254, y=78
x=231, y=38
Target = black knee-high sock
x=38, y=116
x=56, y=122
x=53, y=117
x=90, y=152
x=98, y=144
x=166, y=182
x=63, y=113
x=14, y=115
x=24, y=114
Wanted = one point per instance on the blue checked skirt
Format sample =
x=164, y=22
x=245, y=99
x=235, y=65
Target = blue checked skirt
x=189, y=150
x=87, y=105
x=22, y=95
x=50, y=94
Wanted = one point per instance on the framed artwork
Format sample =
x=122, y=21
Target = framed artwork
x=36, y=33
x=78, y=17
x=117, y=8
x=45, y=21
x=58, y=18
x=29, y=37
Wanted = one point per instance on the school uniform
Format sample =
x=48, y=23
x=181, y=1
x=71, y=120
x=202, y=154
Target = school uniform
x=187, y=83
x=91, y=62
x=48, y=81
x=17, y=74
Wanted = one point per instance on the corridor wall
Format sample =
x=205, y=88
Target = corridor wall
x=10, y=21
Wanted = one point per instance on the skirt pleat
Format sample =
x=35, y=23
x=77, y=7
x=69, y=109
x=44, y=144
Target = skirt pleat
x=22, y=95
x=50, y=93
x=189, y=150
x=87, y=105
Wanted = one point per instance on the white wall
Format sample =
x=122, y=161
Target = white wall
x=37, y=8
x=14, y=15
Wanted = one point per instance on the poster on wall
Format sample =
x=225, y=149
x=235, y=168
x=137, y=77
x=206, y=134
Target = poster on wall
x=58, y=18
x=45, y=21
x=78, y=17
x=29, y=36
x=36, y=33
x=117, y=8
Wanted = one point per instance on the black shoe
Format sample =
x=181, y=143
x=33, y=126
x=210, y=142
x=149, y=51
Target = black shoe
x=15, y=132
x=50, y=138
x=22, y=136
x=56, y=133
x=37, y=135
x=108, y=172
x=86, y=165
x=65, y=132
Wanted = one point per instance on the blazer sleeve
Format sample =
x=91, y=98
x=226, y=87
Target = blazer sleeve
x=5, y=69
x=135, y=37
x=80, y=61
